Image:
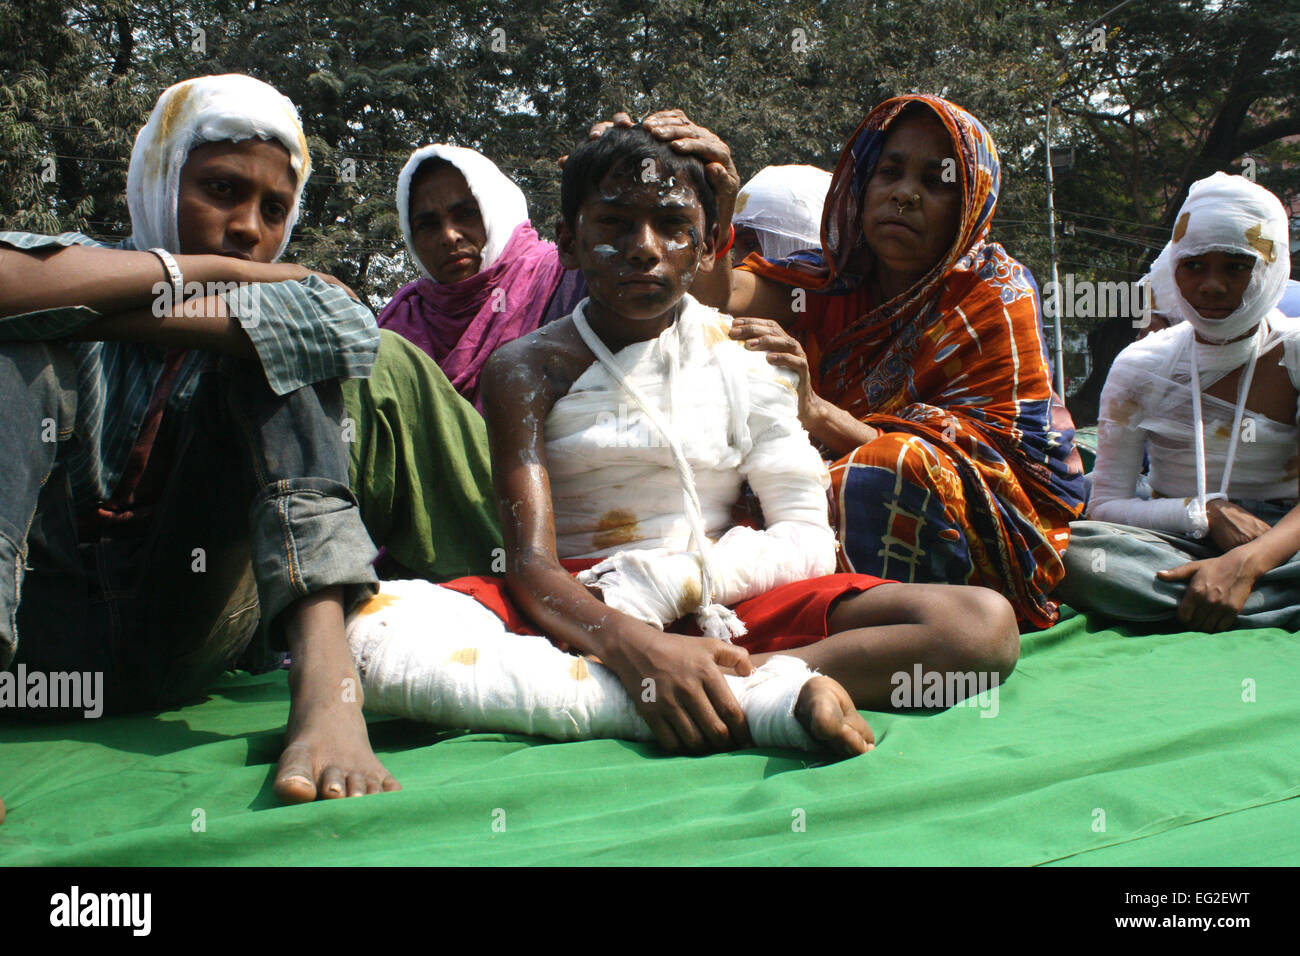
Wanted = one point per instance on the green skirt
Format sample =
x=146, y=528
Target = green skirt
x=420, y=466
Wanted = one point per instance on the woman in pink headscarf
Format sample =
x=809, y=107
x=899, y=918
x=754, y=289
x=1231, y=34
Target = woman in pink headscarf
x=487, y=277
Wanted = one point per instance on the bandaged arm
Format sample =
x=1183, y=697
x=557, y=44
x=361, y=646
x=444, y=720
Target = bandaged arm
x=659, y=586
x=1120, y=447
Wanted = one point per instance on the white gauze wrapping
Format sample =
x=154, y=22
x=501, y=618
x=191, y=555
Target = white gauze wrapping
x=617, y=492
x=1231, y=214
x=783, y=204
x=1147, y=405
x=501, y=203
x=1159, y=282
x=1154, y=395
x=432, y=654
x=207, y=109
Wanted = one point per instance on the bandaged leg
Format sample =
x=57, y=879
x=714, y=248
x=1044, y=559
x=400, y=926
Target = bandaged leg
x=437, y=655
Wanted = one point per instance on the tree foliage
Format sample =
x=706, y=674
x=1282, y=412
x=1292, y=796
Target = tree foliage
x=1176, y=90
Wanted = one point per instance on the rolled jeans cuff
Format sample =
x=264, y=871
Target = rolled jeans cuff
x=12, y=559
x=307, y=535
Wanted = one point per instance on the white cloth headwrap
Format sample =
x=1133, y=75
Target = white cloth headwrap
x=783, y=204
x=500, y=201
x=207, y=109
x=1231, y=214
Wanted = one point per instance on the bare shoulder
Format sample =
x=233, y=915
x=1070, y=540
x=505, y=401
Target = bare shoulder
x=764, y=298
x=537, y=369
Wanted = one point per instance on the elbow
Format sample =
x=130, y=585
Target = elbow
x=1104, y=509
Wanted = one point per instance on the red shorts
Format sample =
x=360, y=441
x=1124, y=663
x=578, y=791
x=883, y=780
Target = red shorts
x=792, y=615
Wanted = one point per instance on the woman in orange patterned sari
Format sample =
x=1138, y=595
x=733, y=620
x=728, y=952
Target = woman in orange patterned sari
x=923, y=371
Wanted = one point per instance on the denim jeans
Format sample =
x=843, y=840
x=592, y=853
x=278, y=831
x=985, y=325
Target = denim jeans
x=256, y=510
x=1110, y=569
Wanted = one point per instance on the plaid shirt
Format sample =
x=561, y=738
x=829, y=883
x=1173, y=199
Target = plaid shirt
x=303, y=332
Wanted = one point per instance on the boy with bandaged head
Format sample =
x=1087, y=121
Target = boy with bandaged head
x=1213, y=401
x=172, y=421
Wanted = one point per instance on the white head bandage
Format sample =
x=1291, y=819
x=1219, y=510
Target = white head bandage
x=783, y=204
x=208, y=109
x=501, y=203
x=1161, y=289
x=1231, y=214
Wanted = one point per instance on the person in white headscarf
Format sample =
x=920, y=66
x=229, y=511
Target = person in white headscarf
x=173, y=466
x=488, y=278
x=209, y=109
x=779, y=212
x=1213, y=401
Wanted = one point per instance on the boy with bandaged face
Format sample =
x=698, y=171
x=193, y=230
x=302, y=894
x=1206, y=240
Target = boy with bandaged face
x=620, y=438
x=1213, y=402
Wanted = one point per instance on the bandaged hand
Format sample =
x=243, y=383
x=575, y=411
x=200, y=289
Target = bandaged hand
x=658, y=586
x=654, y=585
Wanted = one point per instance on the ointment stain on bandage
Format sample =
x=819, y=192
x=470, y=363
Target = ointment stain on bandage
x=691, y=593
x=156, y=159
x=616, y=526
x=1223, y=431
x=716, y=332
x=1255, y=236
x=578, y=670
x=466, y=656
x=1180, y=228
x=1121, y=412
x=175, y=104
x=377, y=603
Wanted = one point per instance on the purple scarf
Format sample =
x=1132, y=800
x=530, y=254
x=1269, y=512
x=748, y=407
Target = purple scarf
x=462, y=323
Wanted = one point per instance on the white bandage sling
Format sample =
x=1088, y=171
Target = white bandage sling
x=715, y=620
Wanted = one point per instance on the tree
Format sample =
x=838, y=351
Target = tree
x=1173, y=90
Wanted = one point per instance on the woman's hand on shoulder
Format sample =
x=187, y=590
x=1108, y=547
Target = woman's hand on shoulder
x=784, y=351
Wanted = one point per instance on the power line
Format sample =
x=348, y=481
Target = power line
x=1127, y=222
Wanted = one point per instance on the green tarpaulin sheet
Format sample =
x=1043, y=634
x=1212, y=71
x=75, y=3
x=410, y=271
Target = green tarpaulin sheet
x=1107, y=747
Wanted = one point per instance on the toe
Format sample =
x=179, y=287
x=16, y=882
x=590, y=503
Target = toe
x=293, y=778
x=2, y=811
x=863, y=728
x=333, y=784
x=357, y=784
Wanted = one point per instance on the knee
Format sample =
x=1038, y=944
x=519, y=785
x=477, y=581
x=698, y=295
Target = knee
x=975, y=629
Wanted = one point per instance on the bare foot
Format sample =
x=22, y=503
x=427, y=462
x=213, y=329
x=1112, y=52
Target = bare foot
x=326, y=747
x=2, y=811
x=327, y=754
x=827, y=713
